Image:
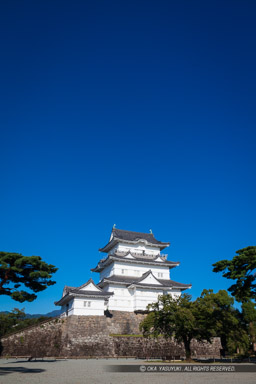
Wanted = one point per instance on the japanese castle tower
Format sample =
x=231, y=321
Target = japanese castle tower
x=132, y=275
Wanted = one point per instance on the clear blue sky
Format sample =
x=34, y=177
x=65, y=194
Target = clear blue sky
x=135, y=113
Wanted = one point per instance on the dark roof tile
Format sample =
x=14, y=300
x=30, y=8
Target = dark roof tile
x=138, y=281
x=102, y=264
x=90, y=293
x=135, y=236
x=130, y=236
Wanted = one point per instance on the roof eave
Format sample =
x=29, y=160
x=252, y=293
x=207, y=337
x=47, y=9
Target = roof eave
x=64, y=299
x=90, y=281
x=109, y=245
x=97, y=296
x=84, y=294
x=162, y=287
x=116, y=240
x=145, y=261
x=105, y=282
x=184, y=287
x=111, y=258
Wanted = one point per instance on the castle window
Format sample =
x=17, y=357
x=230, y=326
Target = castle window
x=87, y=303
x=160, y=274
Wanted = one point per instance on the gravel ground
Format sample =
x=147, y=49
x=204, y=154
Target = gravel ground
x=95, y=372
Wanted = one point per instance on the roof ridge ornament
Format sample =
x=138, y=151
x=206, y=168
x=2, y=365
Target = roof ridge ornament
x=150, y=231
x=130, y=237
x=114, y=226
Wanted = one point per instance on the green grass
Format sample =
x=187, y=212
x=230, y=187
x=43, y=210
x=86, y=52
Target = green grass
x=119, y=335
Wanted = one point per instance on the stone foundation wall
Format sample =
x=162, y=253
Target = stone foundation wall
x=38, y=341
x=97, y=336
x=164, y=349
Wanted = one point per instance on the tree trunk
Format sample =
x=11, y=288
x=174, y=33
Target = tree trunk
x=187, y=348
x=6, y=277
x=252, y=335
x=224, y=342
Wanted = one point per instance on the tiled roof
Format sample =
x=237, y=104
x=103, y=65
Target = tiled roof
x=144, y=275
x=103, y=263
x=70, y=292
x=90, y=281
x=133, y=237
x=126, y=280
x=147, y=260
x=67, y=288
x=89, y=293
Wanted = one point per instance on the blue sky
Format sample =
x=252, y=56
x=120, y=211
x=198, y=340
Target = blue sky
x=139, y=114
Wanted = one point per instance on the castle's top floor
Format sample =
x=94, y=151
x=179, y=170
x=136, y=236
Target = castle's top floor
x=140, y=243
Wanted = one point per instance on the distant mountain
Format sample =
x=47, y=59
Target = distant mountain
x=55, y=313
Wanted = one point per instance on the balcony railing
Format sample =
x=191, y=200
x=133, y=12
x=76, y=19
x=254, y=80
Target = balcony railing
x=139, y=255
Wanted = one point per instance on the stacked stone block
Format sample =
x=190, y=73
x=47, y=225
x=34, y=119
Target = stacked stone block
x=113, y=335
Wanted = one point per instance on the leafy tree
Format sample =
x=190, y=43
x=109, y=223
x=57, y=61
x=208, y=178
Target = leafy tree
x=249, y=319
x=225, y=321
x=9, y=320
x=179, y=318
x=16, y=320
x=17, y=271
x=241, y=268
x=212, y=314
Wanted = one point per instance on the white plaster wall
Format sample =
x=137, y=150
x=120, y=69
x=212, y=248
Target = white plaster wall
x=108, y=271
x=144, y=297
x=122, y=300
x=150, y=279
x=90, y=287
x=137, y=270
x=176, y=293
x=70, y=311
x=135, y=298
x=139, y=247
x=96, y=308
x=127, y=300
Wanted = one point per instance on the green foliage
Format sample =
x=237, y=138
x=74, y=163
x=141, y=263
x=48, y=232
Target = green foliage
x=249, y=319
x=241, y=268
x=17, y=271
x=124, y=335
x=249, y=312
x=8, y=321
x=238, y=341
x=212, y=314
x=179, y=318
x=16, y=321
x=225, y=320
